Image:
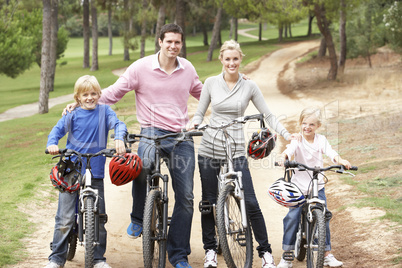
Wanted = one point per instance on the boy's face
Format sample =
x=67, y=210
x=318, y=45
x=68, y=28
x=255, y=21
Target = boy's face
x=309, y=126
x=88, y=99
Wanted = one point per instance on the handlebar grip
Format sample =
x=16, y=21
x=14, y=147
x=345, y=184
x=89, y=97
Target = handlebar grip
x=254, y=116
x=112, y=136
x=291, y=164
x=276, y=164
x=46, y=151
x=128, y=150
x=353, y=168
x=195, y=133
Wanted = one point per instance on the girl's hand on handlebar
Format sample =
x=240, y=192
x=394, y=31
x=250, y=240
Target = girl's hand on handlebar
x=53, y=149
x=120, y=148
x=69, y=108
x=345, y=163
x=296, y=136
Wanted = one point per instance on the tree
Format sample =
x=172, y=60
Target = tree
x=181, y=21
x=393, y=25
x=85, y=24
x=215, y=32
x=45, y=65
x=94, y=17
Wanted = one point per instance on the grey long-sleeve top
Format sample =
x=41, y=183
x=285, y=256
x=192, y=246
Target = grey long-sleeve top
x=227, y=105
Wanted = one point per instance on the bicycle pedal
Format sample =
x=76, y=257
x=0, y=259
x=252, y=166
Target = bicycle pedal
x=288, y=255
x=103, y=218
x=205, y=207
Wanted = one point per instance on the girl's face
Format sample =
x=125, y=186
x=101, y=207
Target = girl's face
x=231, y=60
x=309, y=126
x=88, y=99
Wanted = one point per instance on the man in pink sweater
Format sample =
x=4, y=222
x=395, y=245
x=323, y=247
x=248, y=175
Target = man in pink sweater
x=163, y=83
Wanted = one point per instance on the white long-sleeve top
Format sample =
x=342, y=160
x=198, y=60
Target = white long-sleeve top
x=310, y=154
x=227, y=105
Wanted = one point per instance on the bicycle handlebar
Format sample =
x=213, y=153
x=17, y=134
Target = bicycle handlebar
x=180, y=136
x=242, y=120
x=104, y=152
x=302, y=167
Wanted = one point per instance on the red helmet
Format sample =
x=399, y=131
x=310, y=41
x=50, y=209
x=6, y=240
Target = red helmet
x=261, y=144
x=122, y=170
x=65, y=175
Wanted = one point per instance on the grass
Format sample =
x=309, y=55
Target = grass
x=24, y=167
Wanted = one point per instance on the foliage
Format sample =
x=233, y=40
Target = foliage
x=393, y=24
x=17, y=41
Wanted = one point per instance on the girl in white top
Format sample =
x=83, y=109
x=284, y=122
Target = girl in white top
x=309, y=152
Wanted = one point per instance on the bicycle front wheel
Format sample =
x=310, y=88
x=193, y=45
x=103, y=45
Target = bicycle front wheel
x=153, y=240
x=235, y=240
x=89, y=232
x=316, y=240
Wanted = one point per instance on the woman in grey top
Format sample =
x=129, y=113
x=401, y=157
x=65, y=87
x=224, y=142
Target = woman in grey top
x=229, y=95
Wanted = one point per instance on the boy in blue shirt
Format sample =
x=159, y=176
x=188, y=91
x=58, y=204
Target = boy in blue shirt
x=87, y=128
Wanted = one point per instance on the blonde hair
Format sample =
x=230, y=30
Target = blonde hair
x=230, y=45
x=84, y=84
x=310, y=112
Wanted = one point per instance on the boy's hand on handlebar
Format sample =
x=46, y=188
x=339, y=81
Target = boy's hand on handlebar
x=53, y=149
x=296, y=136
x=120, y=148
x=69, y=108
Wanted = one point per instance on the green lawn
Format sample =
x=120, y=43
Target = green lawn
x=24, y=167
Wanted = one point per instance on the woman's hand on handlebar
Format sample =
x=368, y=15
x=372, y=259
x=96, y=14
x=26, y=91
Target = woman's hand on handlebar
x=69, y=108
x=53, y=149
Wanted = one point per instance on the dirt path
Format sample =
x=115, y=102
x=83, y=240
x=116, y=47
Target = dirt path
x=124, y=252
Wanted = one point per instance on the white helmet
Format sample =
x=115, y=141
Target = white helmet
x=286, y=194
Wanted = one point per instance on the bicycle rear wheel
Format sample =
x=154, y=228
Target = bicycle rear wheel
x=300, y=245
x=89, y=232
x=236, y=242
x=316, y=240
x=153, y=242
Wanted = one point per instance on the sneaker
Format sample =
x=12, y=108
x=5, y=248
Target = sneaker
x=52, y=264
x=330, y=261
x=102, y=264
x=134, y=230
x=284, y=264
x=183, y=264
x=268, y=260
x=210, y=260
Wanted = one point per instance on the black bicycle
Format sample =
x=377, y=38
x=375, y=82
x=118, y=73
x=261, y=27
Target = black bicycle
x=156, y=220
x=310, y=238
x=87, y=217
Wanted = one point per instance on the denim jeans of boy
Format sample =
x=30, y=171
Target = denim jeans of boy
x=180, y=160
x=291, y=224
x=209, y=170
x=64, y=220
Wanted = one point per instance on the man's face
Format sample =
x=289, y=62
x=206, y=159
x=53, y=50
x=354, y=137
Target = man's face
x=171, y=45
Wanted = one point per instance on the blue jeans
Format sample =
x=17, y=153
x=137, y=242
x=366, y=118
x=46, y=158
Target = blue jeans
x=209, y=170
x=291, y=224
x=64, y=221
x=180, y=160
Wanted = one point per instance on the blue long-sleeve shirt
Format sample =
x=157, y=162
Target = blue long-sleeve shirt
x=88, y=132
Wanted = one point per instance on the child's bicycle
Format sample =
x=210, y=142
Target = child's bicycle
x=156, y=220
x=87, y=216
x=310, y=238
x=234, y=231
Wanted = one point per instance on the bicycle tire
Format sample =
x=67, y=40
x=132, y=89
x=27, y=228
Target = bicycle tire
x=89, y=232
x=235, y=241
x=72, y=245
x=300, y=244
x=316, y=241
x=154, y=245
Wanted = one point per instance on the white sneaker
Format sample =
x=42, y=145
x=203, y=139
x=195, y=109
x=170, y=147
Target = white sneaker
x=52, y=264
x=102, y=264
x=210, y=260
x=268, y=260
x=331, y=261
x=284, y=264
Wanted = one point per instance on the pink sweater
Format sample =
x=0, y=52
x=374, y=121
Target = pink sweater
x=161, y=99
x=310, y=154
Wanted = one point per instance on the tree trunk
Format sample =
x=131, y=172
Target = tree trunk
x=342, y=37
x=231, y=28
x=260, y=31
x=323, y=25
x=181, y=21
x=280, y=32
x=322, y=51
x=126, y=55
x=143, y=28
x=310, y=22
x=204, y=34
x=94, y=15
x=45, y=58
x=159, y=24
x=85, y=24
x=109, y=29
x=215, y=33
x=53, y=43
x=236, y=24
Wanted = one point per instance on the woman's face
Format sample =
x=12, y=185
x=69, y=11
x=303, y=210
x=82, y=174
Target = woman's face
x=231, y=60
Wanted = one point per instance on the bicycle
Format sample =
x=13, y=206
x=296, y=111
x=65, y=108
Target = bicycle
x=87, y=217
x=310, y=238
x=234, y=231
x=156, y=220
